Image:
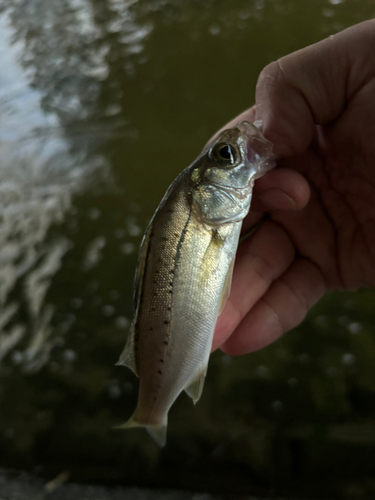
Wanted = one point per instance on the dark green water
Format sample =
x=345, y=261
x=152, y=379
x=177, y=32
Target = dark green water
x=102, y=103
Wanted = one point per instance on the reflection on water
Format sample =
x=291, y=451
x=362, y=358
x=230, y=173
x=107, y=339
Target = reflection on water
x=102, y=103
x=51, y=127
x=38, y=176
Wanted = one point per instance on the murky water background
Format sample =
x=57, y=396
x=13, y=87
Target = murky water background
x=102, y=103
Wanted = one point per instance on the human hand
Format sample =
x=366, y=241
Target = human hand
x=317, y=106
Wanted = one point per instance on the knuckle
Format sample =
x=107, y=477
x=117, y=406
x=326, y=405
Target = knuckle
x=261, y=267
x=278, y=325
x=270, y=76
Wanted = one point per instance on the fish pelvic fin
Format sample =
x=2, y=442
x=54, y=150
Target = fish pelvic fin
x=158, y=432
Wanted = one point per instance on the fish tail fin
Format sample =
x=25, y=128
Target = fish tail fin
x=158, y=431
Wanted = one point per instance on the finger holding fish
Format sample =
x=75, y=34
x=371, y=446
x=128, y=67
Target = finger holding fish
x=260, y=261
x=264, y=304
x=282, y=307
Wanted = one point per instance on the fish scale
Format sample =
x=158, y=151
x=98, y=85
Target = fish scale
x=184, y=272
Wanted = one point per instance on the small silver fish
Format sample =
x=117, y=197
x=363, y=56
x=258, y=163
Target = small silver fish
x=184, y=272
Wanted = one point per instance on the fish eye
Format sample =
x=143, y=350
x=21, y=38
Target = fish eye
x=225, y=154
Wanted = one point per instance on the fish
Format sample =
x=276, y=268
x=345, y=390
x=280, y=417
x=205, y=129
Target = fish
x=184, y=272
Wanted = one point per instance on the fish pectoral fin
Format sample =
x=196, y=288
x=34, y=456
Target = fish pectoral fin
x=227, y=286
x=195, y=388
x=158, y=432
x=127, y=357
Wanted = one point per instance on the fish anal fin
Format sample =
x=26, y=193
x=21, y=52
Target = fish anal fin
x=195, y=388
x=127, y=357
x=227, y=286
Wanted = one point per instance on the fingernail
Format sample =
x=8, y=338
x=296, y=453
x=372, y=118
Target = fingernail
x=275, y=199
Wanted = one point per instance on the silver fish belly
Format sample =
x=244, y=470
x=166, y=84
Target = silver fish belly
x=184, y=272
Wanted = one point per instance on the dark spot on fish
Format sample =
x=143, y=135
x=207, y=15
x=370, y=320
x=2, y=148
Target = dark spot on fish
x=169, y=308
x=176, y=234
x=164, y=238
x=170, y=291
x=160, y=372
x=161, y=360
x=151, y=329
x=157, y=271
x=166, y=322
x=170, y=284
x=155, y=294
x=172, y=271
x=153, y=308
x=160, y=260
x=165, y=342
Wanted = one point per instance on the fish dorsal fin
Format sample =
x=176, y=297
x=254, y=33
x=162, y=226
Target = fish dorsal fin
x=139, y=273
x=195, y=388
x=127, y=357
x=227, y=286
